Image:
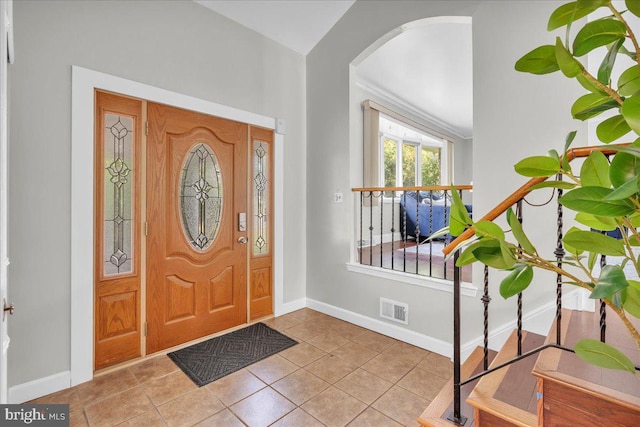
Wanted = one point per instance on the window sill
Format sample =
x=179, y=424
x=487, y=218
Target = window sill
x=466, y=289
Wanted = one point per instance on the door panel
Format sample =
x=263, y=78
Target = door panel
x=261, y=223
x=196, y=188
x=117, y=261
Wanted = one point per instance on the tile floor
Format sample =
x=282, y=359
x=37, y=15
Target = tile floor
x=339, y=374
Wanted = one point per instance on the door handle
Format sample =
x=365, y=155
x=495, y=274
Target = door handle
x=242, y=240
x=7, y=308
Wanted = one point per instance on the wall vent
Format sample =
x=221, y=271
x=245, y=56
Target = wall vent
x=393, y=310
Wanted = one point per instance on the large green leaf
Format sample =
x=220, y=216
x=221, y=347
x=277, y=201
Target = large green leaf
x=571, y=12
x=598, y=33
x=566, y=166
x=564, y=185
x=518, y=232
x=611, y=281
x=516, y=281
x=541, y=60
x=459, y=218
x=569, y=65
x=624, y=167
x=595, y=171
x=625, y=191
x=496, y=255
x=537, y=166
x=588, y=84
x=632, y=301
x=603, y=355
x=593, y=241
x=613, y=128
x=467, y=256
x=488, y=229
x=629, y=81
x=592, y=104
x=567, y=245
x=633, y=6
x=604, y=72
x=591, y=200
x=596, y=222
x=631, y=112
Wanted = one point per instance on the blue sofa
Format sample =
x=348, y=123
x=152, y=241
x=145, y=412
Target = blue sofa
x=419, y=206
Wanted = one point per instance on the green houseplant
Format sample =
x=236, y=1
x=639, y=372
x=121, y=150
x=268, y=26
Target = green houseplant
x=604, y=193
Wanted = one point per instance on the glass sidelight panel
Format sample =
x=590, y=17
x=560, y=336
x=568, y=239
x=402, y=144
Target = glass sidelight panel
x=118, y=194
x=201, y=196
x=261, y=197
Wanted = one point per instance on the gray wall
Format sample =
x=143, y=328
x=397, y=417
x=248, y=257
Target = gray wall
x=179, y=46
x=515, y=115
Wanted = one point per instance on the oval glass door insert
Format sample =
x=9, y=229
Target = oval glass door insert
x=201, y=196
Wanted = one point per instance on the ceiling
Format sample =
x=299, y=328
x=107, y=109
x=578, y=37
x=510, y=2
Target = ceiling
x=427, y=68
x=299, y=24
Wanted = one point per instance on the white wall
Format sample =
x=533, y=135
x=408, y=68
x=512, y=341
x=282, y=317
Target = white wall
x=515, y=115
x=176, y=45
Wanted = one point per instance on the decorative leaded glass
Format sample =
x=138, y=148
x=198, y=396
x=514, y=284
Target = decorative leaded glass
x=201, y=196
x=118, y=197
x=261, y=198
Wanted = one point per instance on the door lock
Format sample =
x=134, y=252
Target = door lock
x=242, y=240
x=7, y=308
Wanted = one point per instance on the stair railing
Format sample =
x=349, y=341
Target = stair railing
x=515, y=199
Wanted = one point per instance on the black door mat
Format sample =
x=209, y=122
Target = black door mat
x=213, y=359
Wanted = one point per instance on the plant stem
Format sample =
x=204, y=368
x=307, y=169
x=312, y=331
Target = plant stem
x=632, y=36
x=612, y=93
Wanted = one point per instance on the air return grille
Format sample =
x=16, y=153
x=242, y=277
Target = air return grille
x=393, y=310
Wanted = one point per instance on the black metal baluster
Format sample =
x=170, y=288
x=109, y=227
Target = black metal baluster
x=404, y=237
x=393, y=230
x=417, y=229
x=431, y=232
x=603, y=306
x=456, y=416
x=519, y=217
x=559, y=253
x=361, y=214
x=370, y=227
x=446, y=224
x=486, y=299
x=381, y=228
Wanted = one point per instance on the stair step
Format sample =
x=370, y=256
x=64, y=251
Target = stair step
x=437, y=412
x=509, y=394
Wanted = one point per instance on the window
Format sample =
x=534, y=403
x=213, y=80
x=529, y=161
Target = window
x=399, y=152
x=409, y=158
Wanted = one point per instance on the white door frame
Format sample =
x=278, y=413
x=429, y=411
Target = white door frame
x=6, y=55
x=84, y=83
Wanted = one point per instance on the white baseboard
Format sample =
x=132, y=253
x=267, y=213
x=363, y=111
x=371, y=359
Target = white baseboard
x=384, y=328
x=288, y=307
x=41, y=387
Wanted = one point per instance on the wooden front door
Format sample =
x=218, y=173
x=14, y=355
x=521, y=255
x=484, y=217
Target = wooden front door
x=196, y=264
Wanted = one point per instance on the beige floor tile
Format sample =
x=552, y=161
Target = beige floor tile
x=149, y=418
x=272, y=368
x=348, y=330
x=330, y=368
x=118, y=408
x=437, y=365
x=224, y=418
x=191, y=408
x=78, y=419
x=334, y=407
x=106, y=385
x=300, y=386
x=284, y=322
x=304, y=331
x=262, y=408
x=354, y=353
x=297, y=418
x=364, y=386
x=423, y=383
x=401, y=405
x=328, y=341
x=372, y=418
x=153, y=368
x=68, y=396
x=387, y=367
x=302, y=354
x=169, y=387
x=374, y=341
x=236, y=386
x=407, y=353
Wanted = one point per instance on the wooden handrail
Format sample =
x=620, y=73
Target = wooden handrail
x=425, y=188
x=525, y=189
